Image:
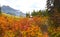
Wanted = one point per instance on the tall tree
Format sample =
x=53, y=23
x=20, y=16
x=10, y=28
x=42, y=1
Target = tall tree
x=34, y=13
x=27, y=14
x=54, y=11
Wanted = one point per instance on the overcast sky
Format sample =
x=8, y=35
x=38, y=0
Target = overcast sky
x=25, y=5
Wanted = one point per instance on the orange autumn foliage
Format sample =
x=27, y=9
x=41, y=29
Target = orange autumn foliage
x=28, y=27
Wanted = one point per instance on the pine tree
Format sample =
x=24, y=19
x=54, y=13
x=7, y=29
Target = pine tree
x=53, y=7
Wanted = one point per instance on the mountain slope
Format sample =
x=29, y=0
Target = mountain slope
x=9, y=10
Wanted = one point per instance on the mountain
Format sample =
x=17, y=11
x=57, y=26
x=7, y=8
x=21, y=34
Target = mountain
x=9, y=10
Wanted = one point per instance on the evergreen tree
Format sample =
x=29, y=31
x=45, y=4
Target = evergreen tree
x=27, y=14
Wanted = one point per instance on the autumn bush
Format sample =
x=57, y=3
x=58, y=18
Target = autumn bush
x=24, y=27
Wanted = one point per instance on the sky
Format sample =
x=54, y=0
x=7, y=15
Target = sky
x=25, y=5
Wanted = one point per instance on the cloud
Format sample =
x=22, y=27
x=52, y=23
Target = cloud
x=25, y=5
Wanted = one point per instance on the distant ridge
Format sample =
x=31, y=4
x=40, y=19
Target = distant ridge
x=11, y=11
